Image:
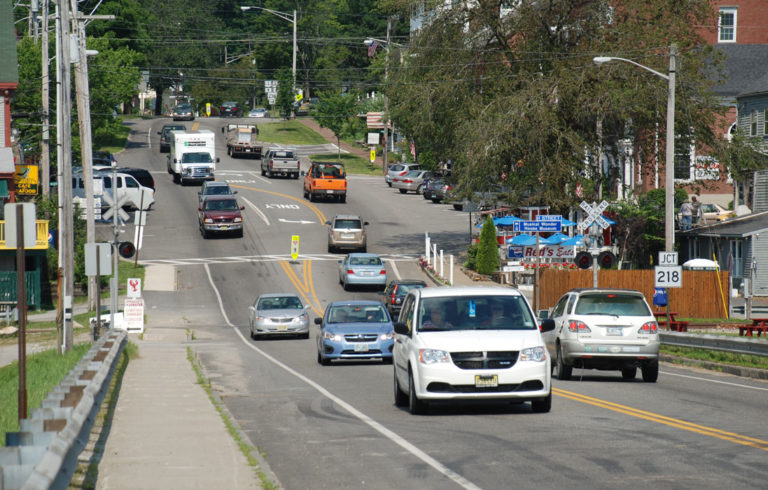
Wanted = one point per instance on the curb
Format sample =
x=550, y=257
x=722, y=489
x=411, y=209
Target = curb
x=743, y=371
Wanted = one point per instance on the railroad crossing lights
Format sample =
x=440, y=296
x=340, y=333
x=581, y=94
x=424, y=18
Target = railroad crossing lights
x=594, y=215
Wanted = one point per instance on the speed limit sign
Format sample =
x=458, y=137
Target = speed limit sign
x=669, y=276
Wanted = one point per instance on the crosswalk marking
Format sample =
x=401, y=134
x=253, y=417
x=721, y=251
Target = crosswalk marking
x=265, y=258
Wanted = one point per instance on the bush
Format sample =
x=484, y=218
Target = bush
x=471, y=262
x=488, y=249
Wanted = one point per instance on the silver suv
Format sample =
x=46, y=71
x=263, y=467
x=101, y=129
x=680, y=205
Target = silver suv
x=399, y=169
x=605, y=329
x=347, y=231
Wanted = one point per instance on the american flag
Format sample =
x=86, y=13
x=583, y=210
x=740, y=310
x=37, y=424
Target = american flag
x=372, y=48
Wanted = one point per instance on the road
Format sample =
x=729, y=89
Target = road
x=337, y=426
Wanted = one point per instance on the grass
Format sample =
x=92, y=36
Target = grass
x=718, y=357
x=289, y=133
x=353, y=163
x=44, y=371
x=246, y=449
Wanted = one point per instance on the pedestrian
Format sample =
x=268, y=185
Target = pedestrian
x=686, y=210
x=697, y=212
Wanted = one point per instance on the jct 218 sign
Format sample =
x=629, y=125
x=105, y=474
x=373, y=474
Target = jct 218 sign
x=550, y=252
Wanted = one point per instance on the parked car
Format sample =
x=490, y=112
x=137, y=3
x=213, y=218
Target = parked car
x=392, y=297
x=347, y=231
x=214, y=188
x=436, y=190
x=183, y=112
x=399, y=169
x=142, y=175
x=411, y=181
x=220, y=215
x=165, y=136
x=493, y=198
x=258, y=112
x=605, y=329
x=359, y=329
x=470, y=343
x=362, y=269
x=230, y=109
x=129, y=190
x=103, y=158
x=278, y=315
x=712, y=213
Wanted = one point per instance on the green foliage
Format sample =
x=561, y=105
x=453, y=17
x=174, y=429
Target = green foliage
x=743, y=156
x=488, y=248
x=44, y=371
x=471, y=262
x=337, y=111
x=285, y=95
x=289, y=133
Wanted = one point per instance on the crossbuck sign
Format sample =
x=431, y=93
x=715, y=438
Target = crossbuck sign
x=594, y=215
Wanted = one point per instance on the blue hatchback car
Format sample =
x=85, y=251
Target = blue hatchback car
x=355, y=329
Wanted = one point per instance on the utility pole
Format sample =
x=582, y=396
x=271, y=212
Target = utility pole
x=45, y=154
x=66, y=219
x=386, y=99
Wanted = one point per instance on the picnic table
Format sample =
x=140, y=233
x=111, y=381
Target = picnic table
x=754, y=329
x=671, y=322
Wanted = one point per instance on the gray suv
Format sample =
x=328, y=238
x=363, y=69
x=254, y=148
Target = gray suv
x=347, y=231
x=399, y=169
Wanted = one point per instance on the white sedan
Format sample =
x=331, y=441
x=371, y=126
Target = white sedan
x=278, y=314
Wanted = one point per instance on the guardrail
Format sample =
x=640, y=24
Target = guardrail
x=43, y=454
x=735, y=345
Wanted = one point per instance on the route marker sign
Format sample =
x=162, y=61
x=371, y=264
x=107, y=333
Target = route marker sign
x=668, y=276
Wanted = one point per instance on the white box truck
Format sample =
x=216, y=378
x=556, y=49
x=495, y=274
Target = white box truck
x=193, y=156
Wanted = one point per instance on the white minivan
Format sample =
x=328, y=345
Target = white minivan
x=127, y=186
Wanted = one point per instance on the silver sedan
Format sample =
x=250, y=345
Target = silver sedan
x=411, y=181
x=362, y=269
x=278, y=314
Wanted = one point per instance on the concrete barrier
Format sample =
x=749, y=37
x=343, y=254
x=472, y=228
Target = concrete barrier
x=43, y=453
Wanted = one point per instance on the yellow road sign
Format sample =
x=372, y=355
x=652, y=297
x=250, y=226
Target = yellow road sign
x=295, y=247
x=373, y=155
x=207, y=108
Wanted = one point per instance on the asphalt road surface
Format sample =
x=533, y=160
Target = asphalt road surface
x=337, y=426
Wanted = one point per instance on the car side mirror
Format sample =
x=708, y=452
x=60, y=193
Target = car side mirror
x=234, y=192
x=547, y=325
x=217, y=159
x=341, y=262
x=199, y=193
x=401, y=328
x=242, y=207
x=328, y=222
x=222, y=129
x=159, y=132
x=318, y=321
x=302, y=173
x=175, y=160
x=200, y=207
x=366, y=223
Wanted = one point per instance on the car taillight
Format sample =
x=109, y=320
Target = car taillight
x=394, y=293
x=649, y=328
x=350, y=271
x=577, y=326
x=271, y=163
x=383, y=271
x=407, y=181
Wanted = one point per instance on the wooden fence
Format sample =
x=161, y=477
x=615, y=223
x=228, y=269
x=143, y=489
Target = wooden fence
x=700, y=297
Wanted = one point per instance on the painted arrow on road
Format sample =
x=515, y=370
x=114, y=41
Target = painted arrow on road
x=302, y=222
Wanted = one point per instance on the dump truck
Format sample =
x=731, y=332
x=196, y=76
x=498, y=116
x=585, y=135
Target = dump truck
x=242, y=140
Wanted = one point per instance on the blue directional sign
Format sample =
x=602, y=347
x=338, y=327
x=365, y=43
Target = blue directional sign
x=549, y=217
x=537, y=226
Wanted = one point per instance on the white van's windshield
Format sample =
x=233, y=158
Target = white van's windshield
x=201, y=157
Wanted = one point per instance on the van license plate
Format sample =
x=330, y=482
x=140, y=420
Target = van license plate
x=613, y=331
x=361, y=347
x=486, y=381
x=329, y=191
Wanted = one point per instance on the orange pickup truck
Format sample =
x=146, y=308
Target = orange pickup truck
x=326, y=180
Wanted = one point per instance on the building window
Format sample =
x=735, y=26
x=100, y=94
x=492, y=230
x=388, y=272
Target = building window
x=753, y=124
x=726, y=30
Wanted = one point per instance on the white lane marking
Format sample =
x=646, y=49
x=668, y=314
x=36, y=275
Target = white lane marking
x=149, y=139
x=392, y=436
x=738, y=385
x=301, y=222
x=394, y=268
x=258, y=211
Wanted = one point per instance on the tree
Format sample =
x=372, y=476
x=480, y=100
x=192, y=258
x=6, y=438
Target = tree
x=284, y=101
x=488, y=248
x=337, y=112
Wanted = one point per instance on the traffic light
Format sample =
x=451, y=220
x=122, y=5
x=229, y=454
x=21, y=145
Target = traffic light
x=126, y=250
x=606, y=259
x=584, y=260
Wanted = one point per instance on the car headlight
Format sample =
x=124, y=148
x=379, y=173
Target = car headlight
x=387, y=336
x=536, y=354
x=208, y=220
x=238, y=220
x=333, y=337
x=433, y=356
x=303, y=317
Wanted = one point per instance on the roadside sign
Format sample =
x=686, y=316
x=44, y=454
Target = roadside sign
x=594, y=215
x=537, y=226
x=668, y=276
x=207, y=108
x=133, y=315
x=513, y=268
x=667, y=258
x=295, y=247
x=549, y=217
x=373, y=156
x=134, y=287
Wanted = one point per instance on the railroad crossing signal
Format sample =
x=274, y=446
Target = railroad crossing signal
x=594, y=215
x=121, y=201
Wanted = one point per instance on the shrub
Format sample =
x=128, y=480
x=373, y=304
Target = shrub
x=488, y=249
x=471, y=262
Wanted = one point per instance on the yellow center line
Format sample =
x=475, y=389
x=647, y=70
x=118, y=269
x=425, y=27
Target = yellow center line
x=195, y=125
x=301, y=288
x=315, y=209
x=662, y=419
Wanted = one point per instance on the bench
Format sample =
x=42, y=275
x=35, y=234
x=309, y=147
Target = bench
x=671, y=323
x=754, y=329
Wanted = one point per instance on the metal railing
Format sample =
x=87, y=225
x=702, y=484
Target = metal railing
x=41, y=238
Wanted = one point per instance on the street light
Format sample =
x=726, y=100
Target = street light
x=289, y=18
x=669, y=170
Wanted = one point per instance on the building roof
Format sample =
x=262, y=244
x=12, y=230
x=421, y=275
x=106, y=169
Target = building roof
x=745, y=69
x=740, y=227
x=9, y=65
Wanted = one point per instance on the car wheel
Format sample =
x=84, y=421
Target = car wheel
x=563, y=371
x=204, y=232
x=542, y=405
x=403, y=191
x=305, y=335
x=401, y=398
x=386, y=360
x=435, y=200
x=651, y=372
x=263, y=173
x=345, y=286
x=253, y=336
x=306, y=194
x=324, y=361
x=364, y=249
x=239, y=234
x=389, y=184
x=343, y=198
x=458, y=207
x=415, y=406
x=311, y=197
x=629, y=373
x=419, y=189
